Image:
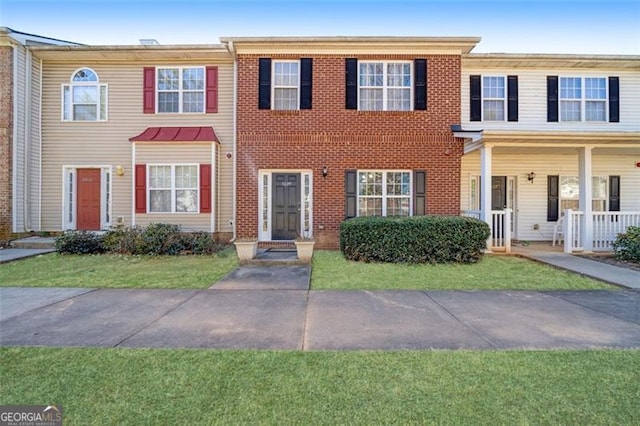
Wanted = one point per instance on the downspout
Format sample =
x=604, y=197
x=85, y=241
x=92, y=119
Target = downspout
x=14, y=154
x=235, y=135
x=40, y=151
x=27, y=144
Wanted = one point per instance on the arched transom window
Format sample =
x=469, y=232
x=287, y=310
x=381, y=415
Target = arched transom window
x=84, y=98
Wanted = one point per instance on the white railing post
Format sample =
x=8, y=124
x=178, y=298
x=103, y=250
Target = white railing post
x=567, y=231
x=507, y=230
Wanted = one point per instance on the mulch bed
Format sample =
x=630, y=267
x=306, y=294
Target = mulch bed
x=612, y=261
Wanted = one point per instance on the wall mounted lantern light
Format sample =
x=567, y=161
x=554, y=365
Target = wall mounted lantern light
x=531, y=176
x=325, y=172
x=119, y=171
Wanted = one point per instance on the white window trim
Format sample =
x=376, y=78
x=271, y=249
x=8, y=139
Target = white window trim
x=583, y=100
x=274, y=87
x=561, y=198
x=173, y=188
x=385, y=87
x=504, y=100
x=265, y=235
x=180, y=90
x=69, y=198
x=384, y=195
x=99, y=86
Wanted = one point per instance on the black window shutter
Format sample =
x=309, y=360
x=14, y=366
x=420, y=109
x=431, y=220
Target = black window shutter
x=351, y=90
x=552, y=98
x=512, y=98
x=553, y=200
x=614, y=193
x=420, y=84
x=264, y=83
x=614, y=100
x=351, y=193
x=476, y=98
x=419, y=192
x=306, y=79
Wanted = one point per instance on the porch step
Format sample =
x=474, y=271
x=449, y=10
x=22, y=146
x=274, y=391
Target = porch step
x=276, y=257
x=34, y=243
x=277, y=245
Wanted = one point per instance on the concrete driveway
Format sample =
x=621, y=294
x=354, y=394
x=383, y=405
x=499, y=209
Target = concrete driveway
x=319, y=320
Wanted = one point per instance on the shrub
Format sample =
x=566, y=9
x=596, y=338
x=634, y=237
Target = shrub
x=200, y=243
x=123, y=240
x=627, y=245
x=420, y=239
x=161, y=238
x=79, y=242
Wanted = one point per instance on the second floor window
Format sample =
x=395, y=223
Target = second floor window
x=583, y=99
x=384, y=86
x=493, y=98
x=84, y=98
x=286, y=83
x=181, y=90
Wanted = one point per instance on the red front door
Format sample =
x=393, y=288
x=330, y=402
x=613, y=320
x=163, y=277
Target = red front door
x=88, y=199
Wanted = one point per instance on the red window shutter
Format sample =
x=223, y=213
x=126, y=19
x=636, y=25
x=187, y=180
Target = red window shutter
x=149, y=91
x=141, y=188
x=205, y=188
x=212, y=90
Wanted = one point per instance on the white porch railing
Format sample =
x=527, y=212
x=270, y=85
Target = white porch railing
x=500, y=238
x=605, y=227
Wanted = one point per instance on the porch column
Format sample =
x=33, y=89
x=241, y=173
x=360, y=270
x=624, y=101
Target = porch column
x=485, y=189
x=586, y=194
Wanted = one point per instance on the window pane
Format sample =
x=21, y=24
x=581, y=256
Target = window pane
x=568, y=204
x=160, y=177
x=66, y=114
x=168, y=79
x=570, y=110
x=285, y=99
x=286, y=74
x=371, y=99
x=193, y=102
x=398, y=183
x=398, y=75
x=186, y=201
x=569, y=187
x=399, y=100
x=193, y=79
x=570, y=88
x=103, y=102
x=493, y=110
x=85, y=95
x=371, y=183
x=595, y=88
x=371, y=74
x=398, y=206
x=85, y=112
x=85, y=75
x=160, y=200
x=370, y=207
x=186, y=176
x=493, y=87
x=594, y=111
x=599, y=187
x=168, y=102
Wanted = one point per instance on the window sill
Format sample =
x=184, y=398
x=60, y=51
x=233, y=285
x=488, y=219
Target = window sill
x=386, y=112
x=285, y=112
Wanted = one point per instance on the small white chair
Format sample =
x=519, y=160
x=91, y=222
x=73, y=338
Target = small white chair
x=558, y=233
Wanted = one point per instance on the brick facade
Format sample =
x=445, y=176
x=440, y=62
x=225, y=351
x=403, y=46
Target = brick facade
x=340, y=139
x=6, y=141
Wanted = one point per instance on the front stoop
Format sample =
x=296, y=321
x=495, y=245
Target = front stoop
x=34, y=243
x=276, y=257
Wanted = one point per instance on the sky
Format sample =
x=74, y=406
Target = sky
x=505, y=26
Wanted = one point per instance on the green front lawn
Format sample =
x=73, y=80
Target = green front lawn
x=125, y=386
x=117, y=271
x=331, y=271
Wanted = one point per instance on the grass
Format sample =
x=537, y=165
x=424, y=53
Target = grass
x=133, y=386
x=331, y=271
x=116, y=271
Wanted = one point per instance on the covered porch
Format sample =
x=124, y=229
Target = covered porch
x=578, y=190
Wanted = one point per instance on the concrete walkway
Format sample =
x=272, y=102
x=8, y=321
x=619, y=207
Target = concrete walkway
x=319, y=320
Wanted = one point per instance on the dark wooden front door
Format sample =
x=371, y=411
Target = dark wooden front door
x=88, y=206
x=286, y=206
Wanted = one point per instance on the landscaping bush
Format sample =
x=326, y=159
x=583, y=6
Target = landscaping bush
x=419, y=239
x=627, y=245
x=200, y=243
x=79, y=242
x=123, y=240
x=161, y=238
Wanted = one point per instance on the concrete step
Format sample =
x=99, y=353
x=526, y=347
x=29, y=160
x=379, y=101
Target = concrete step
x=34, y=243
x=276, y=257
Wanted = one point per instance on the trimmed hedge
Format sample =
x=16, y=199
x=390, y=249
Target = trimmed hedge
x=418, y=239
x=155, y=239
x=627, y=245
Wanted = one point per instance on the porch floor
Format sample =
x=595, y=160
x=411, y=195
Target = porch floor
x=543, y=252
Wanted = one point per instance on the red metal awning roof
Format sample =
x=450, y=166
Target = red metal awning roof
x=176, y=134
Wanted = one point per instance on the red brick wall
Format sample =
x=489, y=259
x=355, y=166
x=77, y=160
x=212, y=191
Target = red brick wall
x=330, y=135
x=6, y=140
